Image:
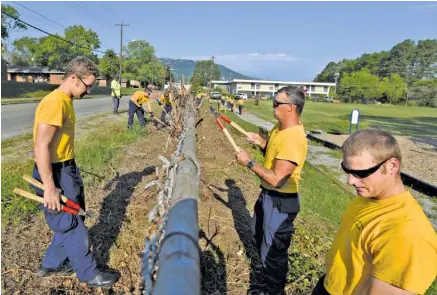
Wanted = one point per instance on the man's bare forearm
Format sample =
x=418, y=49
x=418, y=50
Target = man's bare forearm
x=42, y=156
x=265, y=174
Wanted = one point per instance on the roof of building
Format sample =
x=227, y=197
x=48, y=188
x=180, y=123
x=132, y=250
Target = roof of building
x=33, y=70
x=273, y=82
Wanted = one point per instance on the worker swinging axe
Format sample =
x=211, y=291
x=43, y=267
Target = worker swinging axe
x=230, y=122
x=226, y=132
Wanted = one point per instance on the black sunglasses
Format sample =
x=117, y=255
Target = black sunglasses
x=363, y=173
x=278, y=103
x=88, y=87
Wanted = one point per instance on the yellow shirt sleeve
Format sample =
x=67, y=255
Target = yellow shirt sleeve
x=51, y=112
x=291, y=150
x=406, y=261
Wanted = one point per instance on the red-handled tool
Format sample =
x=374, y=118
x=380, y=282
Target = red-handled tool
x=70, y=206
x=232, y=123
x=41, y=200
x=226, y=132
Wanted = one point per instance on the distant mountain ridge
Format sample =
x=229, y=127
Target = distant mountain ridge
x=185, y=67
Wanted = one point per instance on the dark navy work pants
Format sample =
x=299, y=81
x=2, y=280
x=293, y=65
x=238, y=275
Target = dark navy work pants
x=134, y=109
x=70, y=239
x=273, y=230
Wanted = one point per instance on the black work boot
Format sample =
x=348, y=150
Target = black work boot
x=103, y=280
x=65, y=269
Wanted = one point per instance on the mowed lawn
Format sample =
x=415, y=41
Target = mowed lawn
x=399, y=120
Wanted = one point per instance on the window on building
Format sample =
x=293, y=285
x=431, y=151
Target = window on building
x=276, y=86
x=325, y=88
x=313, y=88
x=258, y=86
x=271, y=88
x=252, y=85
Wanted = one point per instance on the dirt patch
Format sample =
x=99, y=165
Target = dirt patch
x=419, y=155
x=117, y=230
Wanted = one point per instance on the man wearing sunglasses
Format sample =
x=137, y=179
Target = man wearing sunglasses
x=278, y=204
x=53, y=133
x=385, y=243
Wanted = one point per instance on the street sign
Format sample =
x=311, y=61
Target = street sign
x=355, y=119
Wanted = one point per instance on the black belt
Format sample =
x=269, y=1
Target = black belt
x=64, y=164
x=280, y=195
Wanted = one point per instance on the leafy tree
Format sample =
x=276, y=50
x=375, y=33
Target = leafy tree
x=10, y=24
x=55, y=53
x=204, y=71
x=109, y=64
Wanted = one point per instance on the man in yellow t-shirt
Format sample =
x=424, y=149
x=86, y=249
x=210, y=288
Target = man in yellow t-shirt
x=278, y=204
x=135, y=107
x=115, y=93
x=240, y=106
x=53, y=135
x=385, y=243
x=166, y=103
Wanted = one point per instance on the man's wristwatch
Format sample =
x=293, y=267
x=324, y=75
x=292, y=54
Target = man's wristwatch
x=251, y=164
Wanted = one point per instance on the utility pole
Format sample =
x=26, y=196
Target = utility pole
x=121, y=48
x=210, y=75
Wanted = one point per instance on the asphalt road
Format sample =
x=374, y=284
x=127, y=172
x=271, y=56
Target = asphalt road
x=17, y=119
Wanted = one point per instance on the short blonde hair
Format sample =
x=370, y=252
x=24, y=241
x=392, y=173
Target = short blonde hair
x=380, y=144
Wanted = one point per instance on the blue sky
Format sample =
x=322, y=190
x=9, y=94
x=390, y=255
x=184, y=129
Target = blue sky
x=269, y=40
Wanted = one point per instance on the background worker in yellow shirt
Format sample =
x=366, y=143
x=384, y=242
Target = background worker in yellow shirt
x=135, y=107
x=278, y=204
x=385, y=243
x=166, y=103
x=240, y=106
x=116, y=93
x=53, y=134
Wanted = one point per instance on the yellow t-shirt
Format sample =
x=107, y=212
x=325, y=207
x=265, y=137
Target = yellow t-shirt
x=140, y=97
x=165, y=100
x=115, y=88
x=241, y=102
x=391, y=240
x=57, y=109
x=288, y=144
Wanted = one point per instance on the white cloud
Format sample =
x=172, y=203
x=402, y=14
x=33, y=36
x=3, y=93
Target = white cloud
x=426, y=7
x=246, y=57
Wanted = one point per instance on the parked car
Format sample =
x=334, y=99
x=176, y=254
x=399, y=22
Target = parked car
x=328, y=99
x=215, y=95
x=243, y=95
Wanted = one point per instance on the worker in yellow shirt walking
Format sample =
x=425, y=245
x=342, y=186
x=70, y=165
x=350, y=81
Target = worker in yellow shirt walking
x=240, y=106
x=135, y=107
x=115, y=93
x=55, y=167
x=385, y=243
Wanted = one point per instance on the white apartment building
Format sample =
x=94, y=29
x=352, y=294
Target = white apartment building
x=267, y=88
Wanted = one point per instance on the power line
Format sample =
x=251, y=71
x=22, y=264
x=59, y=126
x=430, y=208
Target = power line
x=83, y=11
x=38, y=14
x=55, y=36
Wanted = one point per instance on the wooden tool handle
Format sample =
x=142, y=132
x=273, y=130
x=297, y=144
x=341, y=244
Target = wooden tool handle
x=41, y=200
x=238, y=127
x=231, y=140
x=39, y=185
x=28, y=195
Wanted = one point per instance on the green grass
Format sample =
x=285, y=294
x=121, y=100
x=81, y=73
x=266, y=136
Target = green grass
x=410, y=121
x=94, y=151
x=323, y=201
